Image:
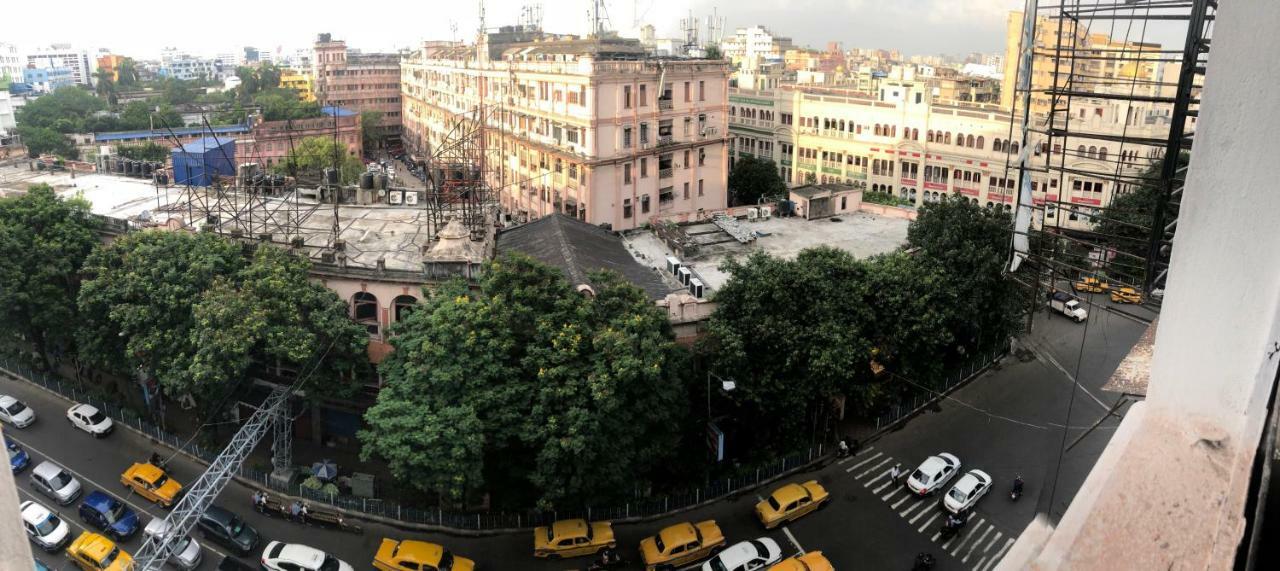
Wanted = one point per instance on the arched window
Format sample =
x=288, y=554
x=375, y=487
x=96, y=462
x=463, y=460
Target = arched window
x=364, y=309
x=894, y=131
x=1093, y=151
x=877, y=129
x=1015, y=148
x=948, y=141
x=981, y=142
x=968, y=142
x=1102, y=154
x=928, y=136
x=842, y=124
x=959, y=139
x=402, y=305
x=1081, y=152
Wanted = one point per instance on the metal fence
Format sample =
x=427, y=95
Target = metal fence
x=923, y=397
x=642, y=507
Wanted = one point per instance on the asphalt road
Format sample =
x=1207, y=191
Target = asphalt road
x=1008, y=422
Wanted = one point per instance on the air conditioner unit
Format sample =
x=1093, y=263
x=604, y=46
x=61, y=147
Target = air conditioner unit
x=673, y=265
x=411, y=198
x=684, y=275
x=394, y=198
x=382, y=194
x=752, y=214
x=696, y=288
x=766, y=212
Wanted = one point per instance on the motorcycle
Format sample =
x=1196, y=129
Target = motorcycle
x=952, y=526
x=1016, y=492
x=924, y=562
x=609, y=559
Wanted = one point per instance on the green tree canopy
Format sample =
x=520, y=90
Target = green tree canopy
x=65, y=110
x=44, y=241
x=1126, y=222
x=524, y=383
x=314, y=154
x=148, y=151
x=41, y=140
x=280, y=104
x=370, y=128
x=752, y=179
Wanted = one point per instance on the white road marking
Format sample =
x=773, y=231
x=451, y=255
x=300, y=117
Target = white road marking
x=935, y=536
x=900, y=500
x=999, y=554
x=980, y=562
x=793, y=539
x=860, y=453
x=921, y=514
x=83, y=479
x=886, y=484
x=929, y=522
x=976, y=544
x=856, y=466
x=873, y=468
x=967, y=537
x=892, y=493
x=913, y=507
x=993, y=541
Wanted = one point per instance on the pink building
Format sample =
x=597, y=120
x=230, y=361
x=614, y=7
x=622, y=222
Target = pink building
x=360, y=82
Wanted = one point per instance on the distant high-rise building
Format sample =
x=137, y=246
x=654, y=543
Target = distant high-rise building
x=64, y=56
x=754, y=43
x=250, y=54
x=358, y=81
x=12, y=62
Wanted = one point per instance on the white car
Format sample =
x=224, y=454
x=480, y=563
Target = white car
x=746, y=556
x=44, y=528
x=89, y=419
x=933, y=474
x=280, y=556
x=186, y=552
x=967, y=491
x=14, y=412
x=53, y=481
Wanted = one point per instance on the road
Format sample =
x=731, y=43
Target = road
x=1008, y=422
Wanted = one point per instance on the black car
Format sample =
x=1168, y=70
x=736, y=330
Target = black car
x=228, y=529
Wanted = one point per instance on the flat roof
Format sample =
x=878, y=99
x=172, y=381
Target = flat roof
x=162, y=133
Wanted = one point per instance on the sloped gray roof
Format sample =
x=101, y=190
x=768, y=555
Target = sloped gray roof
x=578, y=248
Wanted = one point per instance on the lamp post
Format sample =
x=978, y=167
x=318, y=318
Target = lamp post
x=725, y=385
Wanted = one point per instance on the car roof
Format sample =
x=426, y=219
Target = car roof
x=98, y=500
x=94, y=545
x=932, y=465
x=789, y=493
x=420, y=551
x=218, y=514
x=85, y=408
x=47, y=469
x=34, y=512
x=678, y=534
x=157, y=526
x=569, y=528
x=147, y=470
x=744, y=551
x=299, y=553
x=7, y=400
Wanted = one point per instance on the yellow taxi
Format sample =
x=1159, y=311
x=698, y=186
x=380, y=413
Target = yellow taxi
x=571, y=538
x=411, y=555
x=680, y=544
x=93, y=552
x=1090, y=285
x=1126, y=295
x=790, y=502
x=811, y=561
x=150, y=482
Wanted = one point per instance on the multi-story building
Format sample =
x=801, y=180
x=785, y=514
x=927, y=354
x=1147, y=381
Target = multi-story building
x=268, y=142
x=361, y=82
x=110, y=63
x=303, y=83
x=63, y=55
x=586, y=127
x=903, y=142
x=47, y=80
x=754, y=43
x=12, y=63
x=177, y=65
x=8, y=114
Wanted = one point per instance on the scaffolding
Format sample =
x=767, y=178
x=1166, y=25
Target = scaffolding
x=1078, y=58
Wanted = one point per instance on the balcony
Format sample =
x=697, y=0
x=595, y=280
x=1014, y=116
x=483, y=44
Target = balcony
x=664, y=104
x=665, y=140
x=665, y=173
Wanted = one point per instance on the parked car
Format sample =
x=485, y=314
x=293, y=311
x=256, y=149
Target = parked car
x=18, y=458
x=44, y=528
x=681, y=544
x=791, y=502
x=109, y=515
x=232, y=564
x=56, y=483
x=12, y=411
x=572, y=538
x=1061, y=302
x=93, y=552
x=186, y=552
x=280, y=556
x=933, y=474
x=151, y=482
x=811, y=561
x=226, y=528
x=413, y=555
x=967, y=491
x=89, y=419
x=746, y=556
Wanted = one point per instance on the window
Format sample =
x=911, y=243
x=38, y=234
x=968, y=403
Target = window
x=687, y=93
x=688, y=124
x=702, y=91
x=626, y=97
x=644, y=133
x=702, y=156
x=644, y=169
x=626, y=173
x=644, y=95
x=948, y=139
x=626, y=208
x=1093, y=152
x=1102, y=154
x=686, y=190
x=981, y=142
x=644, y=204
x=699, y=187
x=686, y=158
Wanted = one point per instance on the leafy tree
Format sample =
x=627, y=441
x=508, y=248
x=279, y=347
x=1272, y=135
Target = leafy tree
x=40, y=140
x=281, y=104
x=128, y=73
x=44, y=241
x=1126, y=222
x=314, y=154
x=64, y=110
x=144, y=152
x=527, y=383
x=371, y=128
x=106, y=86
x=177, y=92
x=753, y=179
x=713, y=52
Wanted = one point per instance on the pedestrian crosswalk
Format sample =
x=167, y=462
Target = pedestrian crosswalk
x=979, y=546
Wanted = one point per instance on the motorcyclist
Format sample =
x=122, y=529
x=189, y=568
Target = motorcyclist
x=924, y=562
x=1017, y=486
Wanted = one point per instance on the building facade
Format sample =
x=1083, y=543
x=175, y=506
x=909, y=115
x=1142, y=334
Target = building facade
x=585, y=127
x=903, y=142
x=48, y=80
x=12, y=63
x=360, y=82
x=110, y=63
x=755, y=43
x=187, y=67
x=268, y=142
x=303, y=83
x=8, y=114
x=64, y=56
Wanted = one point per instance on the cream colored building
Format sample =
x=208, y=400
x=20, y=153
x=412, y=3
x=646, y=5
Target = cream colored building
x=589, y=128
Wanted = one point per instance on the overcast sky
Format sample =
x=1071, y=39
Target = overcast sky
x=141, y=28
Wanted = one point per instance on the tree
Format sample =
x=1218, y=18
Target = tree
x=281, y=104
x=370, y=128
x=753, y=179
x=65, y=110
x=1125, y=224
x=144, y=152
x=314, y=154
x=127, y=73
x=524, y=384
x=713, y=52
x=40, y=140
x=106, y=86
x=44, y=241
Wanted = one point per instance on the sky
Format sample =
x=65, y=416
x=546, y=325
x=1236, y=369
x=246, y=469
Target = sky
x=146, y=26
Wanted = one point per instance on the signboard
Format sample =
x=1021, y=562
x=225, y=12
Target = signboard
x=935, y=185
x=715, y=441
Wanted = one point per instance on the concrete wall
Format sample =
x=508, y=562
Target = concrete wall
x=889, y=211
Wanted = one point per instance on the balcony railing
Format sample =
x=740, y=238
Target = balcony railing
x=665, y=173
x=664, y=104
x=665, y=140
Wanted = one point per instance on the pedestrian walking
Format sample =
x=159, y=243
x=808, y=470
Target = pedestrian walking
x=895, y=472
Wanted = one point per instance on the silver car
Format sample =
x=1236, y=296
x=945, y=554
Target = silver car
x=53, y=481
x=186, y=552
x=44, y=527
x=14, y=412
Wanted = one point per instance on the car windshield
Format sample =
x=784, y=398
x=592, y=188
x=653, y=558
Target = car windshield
x=717, y=564
x=773, y=503
x=13, y=451
x=446, y=561
x=761, y=550
x=160, y=481
x=16, y=407
x=114, y=512
x=48, y=525
x=97, y=418
x=329, y=564
x=657, y=541
x=237, y=526
x=957, y=495
x=60, y=480
x=921, y=477
x=106, y=561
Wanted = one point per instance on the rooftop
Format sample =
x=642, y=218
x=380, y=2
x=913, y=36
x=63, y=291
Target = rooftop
x=164, y=133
